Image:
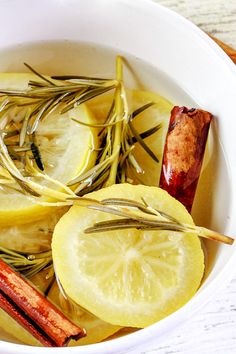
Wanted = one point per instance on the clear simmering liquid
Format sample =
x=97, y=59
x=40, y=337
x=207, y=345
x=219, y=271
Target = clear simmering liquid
x=55, y=58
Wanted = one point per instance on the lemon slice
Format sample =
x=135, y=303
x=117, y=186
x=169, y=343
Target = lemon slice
x=36, y=237
x=31, y=237
x=154, y=115
x=127, y=277
x=66, y=148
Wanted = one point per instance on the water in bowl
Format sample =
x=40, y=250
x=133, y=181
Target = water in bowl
x=65, y=57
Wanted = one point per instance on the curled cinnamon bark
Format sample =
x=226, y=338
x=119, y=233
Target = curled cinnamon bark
x=183, y=153
x=33, y=311
x=19, y=316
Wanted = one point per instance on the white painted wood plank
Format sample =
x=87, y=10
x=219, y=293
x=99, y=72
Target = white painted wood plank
x=213, y=330
x=217, y=17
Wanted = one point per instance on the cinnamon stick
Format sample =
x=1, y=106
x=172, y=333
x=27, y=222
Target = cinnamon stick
x=183, y=153
x=34, y=312
x=19, y=316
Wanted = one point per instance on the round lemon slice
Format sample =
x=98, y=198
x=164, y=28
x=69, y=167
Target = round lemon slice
x=127, y=277
x=66, y=148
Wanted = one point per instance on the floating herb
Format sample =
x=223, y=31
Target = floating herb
x=27, y=264
x=142, y=216
x=117, y=134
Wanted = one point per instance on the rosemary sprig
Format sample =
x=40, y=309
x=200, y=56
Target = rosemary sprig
x=63, y=96
x=117, y=134
x=142, y=216
x=27, y=264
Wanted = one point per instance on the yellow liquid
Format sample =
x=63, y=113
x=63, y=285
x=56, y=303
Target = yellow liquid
x=55, y=58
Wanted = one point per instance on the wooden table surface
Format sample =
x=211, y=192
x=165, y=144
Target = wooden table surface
x=213, y=330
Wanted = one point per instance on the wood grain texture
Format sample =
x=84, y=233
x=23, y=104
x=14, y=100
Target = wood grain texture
x=213, y=329
x=228, y=50
x=217, y=17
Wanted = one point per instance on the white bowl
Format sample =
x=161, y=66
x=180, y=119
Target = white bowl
x=189, y=67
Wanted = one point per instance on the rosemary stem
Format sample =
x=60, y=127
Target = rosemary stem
x=118, y=127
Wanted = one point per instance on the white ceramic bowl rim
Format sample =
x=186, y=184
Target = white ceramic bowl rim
x=148, y=12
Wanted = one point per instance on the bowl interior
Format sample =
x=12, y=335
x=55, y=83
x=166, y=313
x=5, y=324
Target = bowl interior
x=167, y=55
